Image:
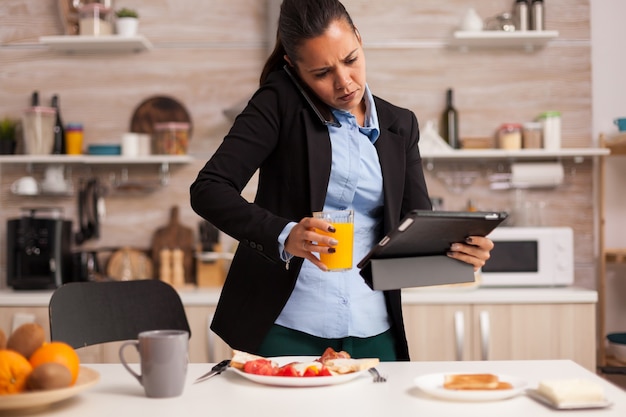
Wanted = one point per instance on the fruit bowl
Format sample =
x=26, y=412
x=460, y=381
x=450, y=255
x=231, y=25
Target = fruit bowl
x=33, y=399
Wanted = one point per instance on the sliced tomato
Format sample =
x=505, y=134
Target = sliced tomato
x=288, y=370
x=325, y=372
x=311, y=371
x=260, y=367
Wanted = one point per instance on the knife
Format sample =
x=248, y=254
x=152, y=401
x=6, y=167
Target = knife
x=216, y=370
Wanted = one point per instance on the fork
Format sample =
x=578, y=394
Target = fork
x=377, y=376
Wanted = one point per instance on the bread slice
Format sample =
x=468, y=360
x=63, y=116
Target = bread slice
x=571, y=391
x=349, y=365
x=471, y=382
x=240, y=358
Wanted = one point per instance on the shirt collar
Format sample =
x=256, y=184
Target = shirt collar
x=370, y=126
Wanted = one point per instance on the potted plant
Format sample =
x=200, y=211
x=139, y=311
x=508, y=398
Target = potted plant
x=8, y=137
x=126, y=22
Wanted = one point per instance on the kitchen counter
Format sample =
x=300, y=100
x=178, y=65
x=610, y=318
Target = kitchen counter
x=229, y=394
x=210, y=296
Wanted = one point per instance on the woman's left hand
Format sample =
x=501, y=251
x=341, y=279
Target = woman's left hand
x=474, y=251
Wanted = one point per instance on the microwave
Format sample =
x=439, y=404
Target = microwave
x=530, y=257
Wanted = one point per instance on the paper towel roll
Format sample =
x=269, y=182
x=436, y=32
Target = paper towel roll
x=536, y=174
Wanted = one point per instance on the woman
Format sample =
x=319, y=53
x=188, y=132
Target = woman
x=320, y=140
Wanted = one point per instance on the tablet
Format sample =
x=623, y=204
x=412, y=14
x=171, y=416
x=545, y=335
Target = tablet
x=429, y=233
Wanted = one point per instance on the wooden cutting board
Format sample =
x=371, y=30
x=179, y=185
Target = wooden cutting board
x=172, y=236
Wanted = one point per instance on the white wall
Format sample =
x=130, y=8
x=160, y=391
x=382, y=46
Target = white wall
x=609, y=102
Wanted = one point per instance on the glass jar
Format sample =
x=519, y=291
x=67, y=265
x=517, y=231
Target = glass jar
x=94, y=19
x=532, y=135
x=510, y=136
x=170, y=138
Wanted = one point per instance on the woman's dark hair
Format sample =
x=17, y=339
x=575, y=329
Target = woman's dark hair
x=299, y=21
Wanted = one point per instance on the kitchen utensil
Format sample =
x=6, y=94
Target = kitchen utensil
x=158, y=109
x=175, y=236
x=216, y=370
x=25, y=186
x=164, y=358
x=105, y=149
x=54, y=181
x=90, y=210
x=376, y=375
x=620, y=122
x=471, y=21
x=127, y=264
x=38, y=124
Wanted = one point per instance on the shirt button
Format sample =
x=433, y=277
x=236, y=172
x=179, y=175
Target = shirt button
x=344, y=301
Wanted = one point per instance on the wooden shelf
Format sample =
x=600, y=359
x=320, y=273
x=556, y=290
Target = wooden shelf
x=94, y=159
x=102, y=43
x=617, y=144
x=501, y=154
x=617, y=256
x=528, y=40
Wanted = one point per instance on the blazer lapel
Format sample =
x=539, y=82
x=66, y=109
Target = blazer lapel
x=391, y=154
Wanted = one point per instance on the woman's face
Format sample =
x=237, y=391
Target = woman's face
x=333, y=66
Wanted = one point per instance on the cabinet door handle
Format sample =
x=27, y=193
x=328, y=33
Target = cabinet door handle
x=459, y=333
x=210, y=339
x=484, y=335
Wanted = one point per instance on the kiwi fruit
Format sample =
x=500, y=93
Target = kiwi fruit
x=49, y=375
x=3, y=340
x=26, y=339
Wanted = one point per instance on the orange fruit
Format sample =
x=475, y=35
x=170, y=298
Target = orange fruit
x=58, y=352
x=14, y=370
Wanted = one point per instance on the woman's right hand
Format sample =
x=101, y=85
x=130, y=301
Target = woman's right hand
x=304, y=240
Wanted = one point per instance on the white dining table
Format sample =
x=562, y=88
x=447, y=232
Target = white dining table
x=118, y=394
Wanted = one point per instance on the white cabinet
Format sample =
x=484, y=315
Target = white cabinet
x=444, y=332
x=204, y=346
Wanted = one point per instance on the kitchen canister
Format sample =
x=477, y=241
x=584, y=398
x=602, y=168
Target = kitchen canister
x=551, y=122
x=532, y=135
x=510, y=136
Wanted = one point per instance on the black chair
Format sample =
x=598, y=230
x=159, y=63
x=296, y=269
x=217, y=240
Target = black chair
x=90, y=313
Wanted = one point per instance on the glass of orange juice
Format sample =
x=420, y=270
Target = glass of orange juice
x=343, y=222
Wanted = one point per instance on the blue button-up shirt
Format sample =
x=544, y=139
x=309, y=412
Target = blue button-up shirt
x=340, y=304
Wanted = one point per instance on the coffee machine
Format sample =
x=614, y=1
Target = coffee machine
x=39, y=249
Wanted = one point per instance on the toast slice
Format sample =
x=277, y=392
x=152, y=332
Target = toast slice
x=471, y=382
x=240, y=358
x=349, y=365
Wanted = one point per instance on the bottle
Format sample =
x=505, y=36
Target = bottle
x=537, y=15
x=34, y=99
x=521, y=15
x=59, y=131
x=450, y=122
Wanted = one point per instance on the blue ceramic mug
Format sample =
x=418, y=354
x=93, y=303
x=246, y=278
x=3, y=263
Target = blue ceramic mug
x=621, y=123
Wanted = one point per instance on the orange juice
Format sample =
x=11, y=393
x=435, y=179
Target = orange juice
x=342, y=258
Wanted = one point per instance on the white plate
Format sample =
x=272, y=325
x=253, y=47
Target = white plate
x=432, y=384
x=86, y=378
x=287, y=381
x=536, y=395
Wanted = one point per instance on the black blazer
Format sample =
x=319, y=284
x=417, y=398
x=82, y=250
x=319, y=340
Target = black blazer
x=280, y=135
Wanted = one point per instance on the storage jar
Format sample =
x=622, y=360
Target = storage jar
x=170, y=138
x=551, y=122
x=95, y=19
x=532, y=135
x=510, y=136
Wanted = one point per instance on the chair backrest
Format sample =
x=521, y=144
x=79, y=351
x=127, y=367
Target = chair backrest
x=89, y=313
